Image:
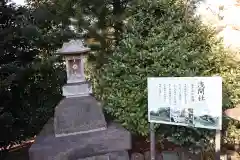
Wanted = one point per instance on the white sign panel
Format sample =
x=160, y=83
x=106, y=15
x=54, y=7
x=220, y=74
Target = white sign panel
x=186, y=101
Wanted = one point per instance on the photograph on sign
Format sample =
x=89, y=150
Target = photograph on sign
x=186, y=101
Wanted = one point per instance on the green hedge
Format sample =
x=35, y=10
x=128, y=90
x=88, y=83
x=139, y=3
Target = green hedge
x=160, y=41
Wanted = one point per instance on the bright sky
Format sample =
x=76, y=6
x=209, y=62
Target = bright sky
x=19, y=2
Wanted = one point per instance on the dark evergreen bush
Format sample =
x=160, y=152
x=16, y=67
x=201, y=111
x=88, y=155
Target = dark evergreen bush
x=30, y=80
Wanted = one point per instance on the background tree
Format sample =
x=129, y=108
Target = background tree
x=30, y=77
x=101, y=20
x=160, y=41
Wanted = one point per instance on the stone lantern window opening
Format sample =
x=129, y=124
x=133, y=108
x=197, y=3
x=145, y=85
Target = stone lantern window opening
x=75, y=69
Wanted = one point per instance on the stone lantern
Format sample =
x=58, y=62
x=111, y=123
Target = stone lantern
x=73, y=52
x=78, y=130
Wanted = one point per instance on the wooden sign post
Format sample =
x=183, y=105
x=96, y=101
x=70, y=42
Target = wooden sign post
x=218, y=145
x=152, y=142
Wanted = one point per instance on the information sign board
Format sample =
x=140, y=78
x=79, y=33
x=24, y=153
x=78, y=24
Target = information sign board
x=186, y=101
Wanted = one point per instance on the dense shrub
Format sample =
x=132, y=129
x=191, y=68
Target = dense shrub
x=30, y=80
x=162, y=40
x=29, y=102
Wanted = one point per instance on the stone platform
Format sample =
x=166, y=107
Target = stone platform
x=78, y=147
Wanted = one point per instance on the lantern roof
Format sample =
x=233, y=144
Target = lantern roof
x=73, y=47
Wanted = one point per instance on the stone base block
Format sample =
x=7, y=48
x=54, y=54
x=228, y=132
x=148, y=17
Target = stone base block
x=77, y=89
x=48, y=147
x=78, y=115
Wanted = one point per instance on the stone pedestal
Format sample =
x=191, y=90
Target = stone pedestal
x=78, y=115
x=78, y=131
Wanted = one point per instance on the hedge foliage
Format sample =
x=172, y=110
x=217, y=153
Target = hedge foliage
x=160, y=40
x=30, y=78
